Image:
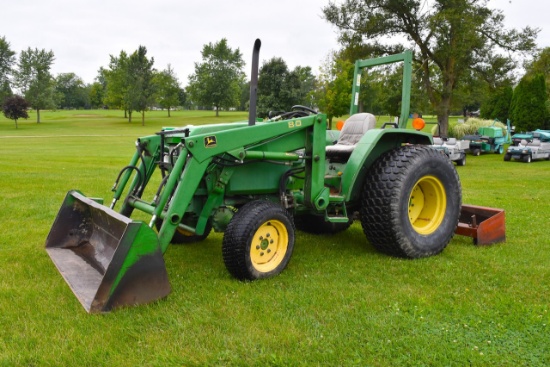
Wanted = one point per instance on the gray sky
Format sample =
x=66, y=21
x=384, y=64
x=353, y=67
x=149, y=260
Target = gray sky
x=83, y=33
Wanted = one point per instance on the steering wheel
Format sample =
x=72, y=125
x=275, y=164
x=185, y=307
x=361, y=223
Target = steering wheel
x=304, y=108
x=296, y=111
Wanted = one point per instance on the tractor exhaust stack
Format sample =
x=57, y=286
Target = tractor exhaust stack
x=254, y=82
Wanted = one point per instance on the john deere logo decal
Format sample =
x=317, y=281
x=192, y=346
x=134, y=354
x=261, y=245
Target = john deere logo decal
x=210, y=141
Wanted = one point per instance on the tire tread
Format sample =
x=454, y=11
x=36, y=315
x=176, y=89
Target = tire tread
x=380, y=213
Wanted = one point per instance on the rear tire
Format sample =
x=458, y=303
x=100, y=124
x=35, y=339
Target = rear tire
x=258, y=241
x=411, y=202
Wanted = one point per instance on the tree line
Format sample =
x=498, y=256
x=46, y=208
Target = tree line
x=464, y=60
x=131, y=83
x=464, y=56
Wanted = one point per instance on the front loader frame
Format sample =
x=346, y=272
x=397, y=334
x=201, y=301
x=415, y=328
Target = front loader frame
x=243, y=144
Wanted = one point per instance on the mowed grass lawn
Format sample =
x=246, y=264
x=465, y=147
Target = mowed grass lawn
x=339, y=303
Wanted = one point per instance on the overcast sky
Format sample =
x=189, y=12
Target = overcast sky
x=83, y=33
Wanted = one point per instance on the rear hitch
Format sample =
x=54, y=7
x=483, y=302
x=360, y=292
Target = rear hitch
x=485, y=225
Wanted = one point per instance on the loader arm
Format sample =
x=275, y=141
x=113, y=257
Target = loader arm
x=110, y=260
x=276, y=141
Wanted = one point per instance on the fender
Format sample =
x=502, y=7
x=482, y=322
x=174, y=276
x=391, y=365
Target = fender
x=372, y=145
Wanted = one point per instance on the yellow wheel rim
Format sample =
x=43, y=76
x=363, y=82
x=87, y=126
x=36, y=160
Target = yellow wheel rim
x=183, y=232
x=427, y=205
x=269, y=246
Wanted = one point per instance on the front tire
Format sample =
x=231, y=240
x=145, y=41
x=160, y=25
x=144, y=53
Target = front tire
x=258, y=241
x=461, y=161
x=411, y=202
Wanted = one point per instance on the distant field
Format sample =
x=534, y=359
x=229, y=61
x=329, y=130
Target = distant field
x=67, y=120
x=72, y=121
x=339, y=303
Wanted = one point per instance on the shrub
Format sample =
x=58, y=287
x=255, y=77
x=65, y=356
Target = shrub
x=470, y=127
x=15, y=107
x=528, y=109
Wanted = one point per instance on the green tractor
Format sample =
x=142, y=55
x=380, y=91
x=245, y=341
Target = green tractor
x=257, y=181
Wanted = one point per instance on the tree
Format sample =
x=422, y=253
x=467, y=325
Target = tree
x=5, y=90
x=272, y=87
x=501, y=109
x=451, y=38
x=333, y=94
x=498, y=105
x=168, y=89
x=244, y=103
x=307, y=85
x=72, y=91
x=15, y=107
x=528, y=106
x=487, y=85
x=96, y=95
x=7, y=60
x=541, y=65
x=279, y=88
x=216, y=81
x=34, y=79
x=182, y=98
x=115, y=82
x=140, y=87
x=391, y=90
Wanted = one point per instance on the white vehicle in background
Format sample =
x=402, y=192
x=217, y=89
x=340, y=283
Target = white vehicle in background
x=529, y=146
x=454, y=149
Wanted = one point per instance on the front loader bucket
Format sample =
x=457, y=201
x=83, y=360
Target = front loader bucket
x=107, y=259
x=485, y=225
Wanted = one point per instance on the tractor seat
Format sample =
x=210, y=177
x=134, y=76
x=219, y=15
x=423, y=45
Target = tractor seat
x=354, y=128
